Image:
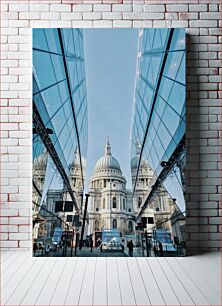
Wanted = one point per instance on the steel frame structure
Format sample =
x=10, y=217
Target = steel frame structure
x=42, y=132
x=173, y=160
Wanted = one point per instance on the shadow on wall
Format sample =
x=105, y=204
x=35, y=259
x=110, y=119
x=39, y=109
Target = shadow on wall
x=193, y=190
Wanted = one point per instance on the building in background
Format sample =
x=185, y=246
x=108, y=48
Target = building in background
x=158, y=125
x=59, y=126
x=110, y=204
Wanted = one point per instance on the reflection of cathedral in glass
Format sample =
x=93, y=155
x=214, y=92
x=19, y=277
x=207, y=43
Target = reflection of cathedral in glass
x=110, y=203
x=112, y=206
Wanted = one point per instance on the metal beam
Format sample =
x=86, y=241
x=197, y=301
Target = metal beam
x=42, y=132
x=71, y=99
x=173, y=160
x=153, y=103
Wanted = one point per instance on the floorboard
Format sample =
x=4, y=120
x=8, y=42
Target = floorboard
x=188, y=282
x=73, y=293
x=86, y=294
x=194, y=280
x=113, y=284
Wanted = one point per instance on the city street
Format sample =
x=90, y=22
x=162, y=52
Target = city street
x=85, y=252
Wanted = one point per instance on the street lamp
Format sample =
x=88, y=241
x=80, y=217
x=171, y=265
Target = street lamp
x=84, y=220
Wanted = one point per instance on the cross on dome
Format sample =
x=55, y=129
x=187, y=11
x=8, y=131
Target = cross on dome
x=108, y=147
x=138, y=146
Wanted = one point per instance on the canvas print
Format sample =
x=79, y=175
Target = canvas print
x=108, y=142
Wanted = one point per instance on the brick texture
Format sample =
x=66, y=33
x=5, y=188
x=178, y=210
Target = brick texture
x=204, y=55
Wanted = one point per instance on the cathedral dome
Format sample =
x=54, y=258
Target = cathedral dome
x=135, y=162
x=76, y=161
x=40, y=161
x=135, y=159
x=107, y=161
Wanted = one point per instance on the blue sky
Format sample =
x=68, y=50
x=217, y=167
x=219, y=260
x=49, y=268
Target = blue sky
x=110, y=63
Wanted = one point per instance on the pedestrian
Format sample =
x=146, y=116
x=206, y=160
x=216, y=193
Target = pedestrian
x=130, y=247
x=101, y=247
x=35, y=248
x=155, y=250
x=47, y=248
x=161, y=248
x=91, y=245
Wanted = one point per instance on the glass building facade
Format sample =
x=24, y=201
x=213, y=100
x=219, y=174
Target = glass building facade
x=59, y=113
x=158, y=122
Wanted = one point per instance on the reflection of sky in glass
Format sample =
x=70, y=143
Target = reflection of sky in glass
x=167, y=121
x=53, y=49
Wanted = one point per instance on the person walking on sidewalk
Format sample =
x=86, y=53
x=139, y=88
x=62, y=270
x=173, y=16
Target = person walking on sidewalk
x=130, y=247
x=91, y=245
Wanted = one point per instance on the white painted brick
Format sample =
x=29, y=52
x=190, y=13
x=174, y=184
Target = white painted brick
x=19, y=71
x=197, y=7
x=60, y=24
x=215, y=78
x=51, y=15
x=177, y=8
x=102, y=23
x=60, y=7
x=9, y=228
x=179, y=23
x=18, y=236
x=187, y=16
x=139, y=23
x=19, y=220
x=24, y=212
x=203, y=23
x=29, y=15
x=19, y=102
x=9, y=126
x=122, y=23
x=82, y=7
x=112, y=15
x=13, y=47
x=82, y=24
x=9, y=63
x=215, y=63
x=25, y=244
x=147, y=23
x=210, y=15
x=154, y=8
x=39, y=24
x=8, y=212
x=213, y=7
x=4, y=220
x=4, y=7
x=214, y=47
x=122, y=8
x=37, y=7
x=10, y=142
x=9, y=31
x=102, y=7
x=18, y=23
x=170, y=16
x=138, y=15
x=71, y=16
x=9, y=94
x=8, y=244
x=19, y=7
x=92, y=15
x=137, y=7
x=162, y=23
x=4, y=236
x=24, y=229
x=19, y=118
x=19, y=86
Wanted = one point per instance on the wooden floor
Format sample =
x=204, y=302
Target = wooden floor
x=110, y=281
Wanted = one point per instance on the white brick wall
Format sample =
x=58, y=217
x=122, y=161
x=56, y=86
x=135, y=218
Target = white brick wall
x=200, y=17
